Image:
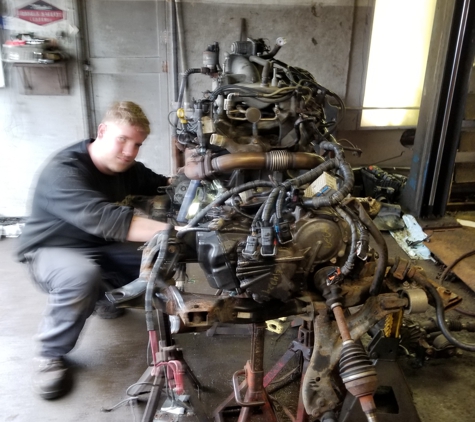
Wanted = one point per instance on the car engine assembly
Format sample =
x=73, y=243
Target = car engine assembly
x=264, y=195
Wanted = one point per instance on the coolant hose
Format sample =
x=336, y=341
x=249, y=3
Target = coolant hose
x=381, y=248
x=266, y=66
x=181, y=93
x=439, y=308
x=183, y=84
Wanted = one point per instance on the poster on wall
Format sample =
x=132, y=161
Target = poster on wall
x=40, y=13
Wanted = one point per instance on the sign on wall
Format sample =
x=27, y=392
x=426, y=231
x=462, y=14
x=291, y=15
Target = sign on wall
x=40, y=13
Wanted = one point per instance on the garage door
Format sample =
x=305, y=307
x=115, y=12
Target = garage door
x=126, y=53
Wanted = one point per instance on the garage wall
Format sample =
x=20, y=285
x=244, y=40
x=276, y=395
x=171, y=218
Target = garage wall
x=32, y=127
x=320, y=36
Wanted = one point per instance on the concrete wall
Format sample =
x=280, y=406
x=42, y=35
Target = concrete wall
x=328, y=38
x=318, y=34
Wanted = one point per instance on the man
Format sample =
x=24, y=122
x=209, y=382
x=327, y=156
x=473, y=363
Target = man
x=78, y=231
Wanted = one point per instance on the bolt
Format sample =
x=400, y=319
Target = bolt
x=321, y=402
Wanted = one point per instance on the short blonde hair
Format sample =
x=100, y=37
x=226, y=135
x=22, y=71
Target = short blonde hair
x=127, y=112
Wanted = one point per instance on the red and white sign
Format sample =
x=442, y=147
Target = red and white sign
x=40, y=13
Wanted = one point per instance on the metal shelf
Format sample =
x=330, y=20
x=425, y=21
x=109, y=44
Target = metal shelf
x=43, y=78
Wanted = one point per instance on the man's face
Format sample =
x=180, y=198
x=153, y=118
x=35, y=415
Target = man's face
x=118, y=145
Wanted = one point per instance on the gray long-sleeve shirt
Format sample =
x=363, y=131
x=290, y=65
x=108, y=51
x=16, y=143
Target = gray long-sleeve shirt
x=75, y=205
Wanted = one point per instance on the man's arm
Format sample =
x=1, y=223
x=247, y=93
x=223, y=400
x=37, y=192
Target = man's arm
x=142, y=229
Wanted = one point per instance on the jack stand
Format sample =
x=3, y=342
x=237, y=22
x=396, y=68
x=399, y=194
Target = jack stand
x=302, y=346
x=174, y=367
x=393, y=398
x=256, y=395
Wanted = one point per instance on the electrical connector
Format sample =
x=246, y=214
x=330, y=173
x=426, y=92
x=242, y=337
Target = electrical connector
x=267, y=241
x=282, y=230
x=250, y=249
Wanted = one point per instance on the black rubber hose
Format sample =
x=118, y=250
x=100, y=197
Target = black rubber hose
x=439, y=308
x=225, y=196
x=381, y=248
x=164, y=236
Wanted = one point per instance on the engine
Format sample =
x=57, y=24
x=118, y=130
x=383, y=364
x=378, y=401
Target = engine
x=234, y=261
x=264, y=198
x=256, y=139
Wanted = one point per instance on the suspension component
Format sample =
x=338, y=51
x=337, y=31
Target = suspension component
x=356, y=370
x=359, y=376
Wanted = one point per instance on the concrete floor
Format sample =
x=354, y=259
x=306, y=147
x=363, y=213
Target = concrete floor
x=111, y=355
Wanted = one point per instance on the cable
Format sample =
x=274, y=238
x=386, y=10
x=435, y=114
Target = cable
x=448, y=269
x=225, y=196
x=151, y=384
x=171, y=123
x=350, y=261
x=439, y=307
x=235, y=208
x=465, y=312
x=121, y=403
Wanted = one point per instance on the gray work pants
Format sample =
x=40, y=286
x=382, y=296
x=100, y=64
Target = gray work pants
x=75, y=280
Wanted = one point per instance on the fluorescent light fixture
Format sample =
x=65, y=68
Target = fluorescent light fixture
x=397, y=62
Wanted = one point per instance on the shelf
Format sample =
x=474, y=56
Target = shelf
x=43, y=78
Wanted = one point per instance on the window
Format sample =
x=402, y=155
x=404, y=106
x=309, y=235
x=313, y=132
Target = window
x=397, y=62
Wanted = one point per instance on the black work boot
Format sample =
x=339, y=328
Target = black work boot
x=107, y=310
x=49, y=378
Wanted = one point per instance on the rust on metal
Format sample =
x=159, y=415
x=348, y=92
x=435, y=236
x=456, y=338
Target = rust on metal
x=450, y=245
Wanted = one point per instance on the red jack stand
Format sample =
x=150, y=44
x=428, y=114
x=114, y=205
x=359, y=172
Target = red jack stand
x=304, y=346
x=168, y=364
x=256, y=395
